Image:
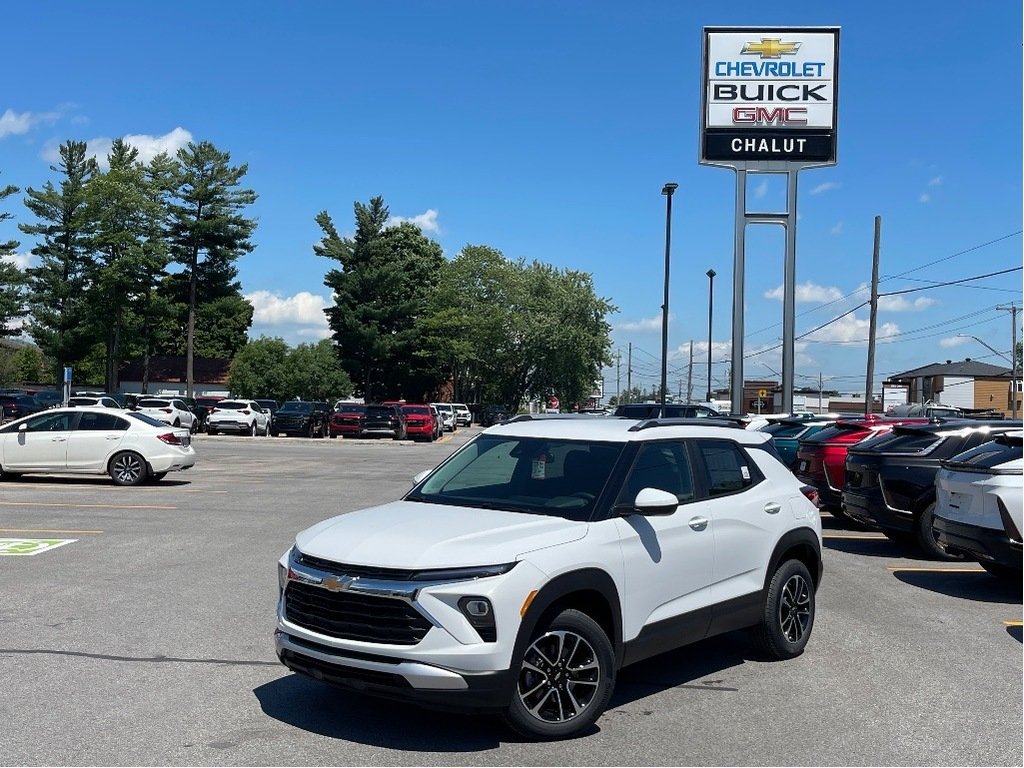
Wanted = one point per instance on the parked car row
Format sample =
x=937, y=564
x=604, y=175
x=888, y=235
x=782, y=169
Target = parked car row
x=398, y=419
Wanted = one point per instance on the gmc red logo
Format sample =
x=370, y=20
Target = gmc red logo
x=770, y=115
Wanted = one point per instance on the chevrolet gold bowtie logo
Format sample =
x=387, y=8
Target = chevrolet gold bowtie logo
x=771, y=48
x=337, y=583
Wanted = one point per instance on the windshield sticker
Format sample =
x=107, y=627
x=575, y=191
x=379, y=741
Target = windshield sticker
x=745, y=472
x=539, y=469
x=30, y=546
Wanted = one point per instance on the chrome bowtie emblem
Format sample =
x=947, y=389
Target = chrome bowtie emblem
x=337, y=583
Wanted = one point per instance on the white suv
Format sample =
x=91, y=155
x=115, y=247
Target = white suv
x=525, y=570
x=169, y=410
x=448, y=422
x=463, y=417
x=245, y=417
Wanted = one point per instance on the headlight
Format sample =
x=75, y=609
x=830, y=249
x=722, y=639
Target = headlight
x=462, y=574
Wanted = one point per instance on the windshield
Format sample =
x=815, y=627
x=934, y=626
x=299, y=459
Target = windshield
x=560, y=478
x=350, y=408
x=990, y=455
x=293, y=407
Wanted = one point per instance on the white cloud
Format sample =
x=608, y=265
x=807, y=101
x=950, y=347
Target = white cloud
x=825, y=187
x=807, y=293
x=900, y=304
x=924, y=198
x=304, y=308
x=647, y=324
x=761, y=189
x=953, y=341
x=837, y=229
x=22, y=260
x=937, y=181
x=148, y=146
x=850, y=328
x=426, y=221
x=15, y=123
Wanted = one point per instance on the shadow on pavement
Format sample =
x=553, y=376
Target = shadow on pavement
x=1016, y=632
x=100, y=481
x=880, y=547
x=969, y=585
x=340, y=714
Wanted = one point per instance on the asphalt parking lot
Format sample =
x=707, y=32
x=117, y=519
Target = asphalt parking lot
x=146, y=639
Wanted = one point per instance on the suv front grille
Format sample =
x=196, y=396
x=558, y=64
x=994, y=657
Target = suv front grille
x=350, y=616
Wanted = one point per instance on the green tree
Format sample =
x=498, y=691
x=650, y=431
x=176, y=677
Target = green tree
x=316, y=372
x=518, y=330
x=57, y=287
x=380, y=292
x=12, y=279
x=260, y=369
x=131, y=253
x=28, y=365
x=207, y=229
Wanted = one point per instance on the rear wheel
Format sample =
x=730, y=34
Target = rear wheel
x=565, y=678
x=788, y=614
x=127, y=468
x=925, y=536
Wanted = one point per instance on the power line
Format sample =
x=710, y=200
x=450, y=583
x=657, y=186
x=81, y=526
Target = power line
x=954, y=255
x=952, y=282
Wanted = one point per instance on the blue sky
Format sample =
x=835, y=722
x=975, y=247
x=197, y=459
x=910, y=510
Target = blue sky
x=546, y=130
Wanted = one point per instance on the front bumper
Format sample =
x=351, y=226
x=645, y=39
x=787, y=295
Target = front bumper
x=396, y=678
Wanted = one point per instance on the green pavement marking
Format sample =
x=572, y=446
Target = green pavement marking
x=19, y=547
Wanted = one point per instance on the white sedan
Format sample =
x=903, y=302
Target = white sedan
x=169, y=410
x=246, y=417
x=129, y=446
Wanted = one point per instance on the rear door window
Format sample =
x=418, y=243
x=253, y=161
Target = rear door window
x=727, y=468
x=101, y=422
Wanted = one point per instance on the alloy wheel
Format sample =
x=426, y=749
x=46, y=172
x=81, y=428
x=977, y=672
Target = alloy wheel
x=559, y=677
x=795, y=608
x=128, y=468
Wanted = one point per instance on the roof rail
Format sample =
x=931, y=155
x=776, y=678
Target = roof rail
x=710, y=421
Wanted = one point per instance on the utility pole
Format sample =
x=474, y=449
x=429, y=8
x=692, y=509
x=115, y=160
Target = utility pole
x=821, y=387
x=1012, y=309
x=874, y=317
x=618, y=376
x=689, y=377
x=629, y=373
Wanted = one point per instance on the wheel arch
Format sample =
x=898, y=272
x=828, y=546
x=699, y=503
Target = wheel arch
x=590, y=591
x=799, y=544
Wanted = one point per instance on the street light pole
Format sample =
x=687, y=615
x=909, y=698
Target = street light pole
x=667, y=190
x=711, y=303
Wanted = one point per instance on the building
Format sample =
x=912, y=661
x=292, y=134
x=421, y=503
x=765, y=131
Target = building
x=167, y=374
x=967, y=384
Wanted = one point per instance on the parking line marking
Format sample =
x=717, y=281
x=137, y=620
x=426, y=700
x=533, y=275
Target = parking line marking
x=855, y=536
x=933, y=569
x=1014, y=623
x=82, y=506
x=41, y=530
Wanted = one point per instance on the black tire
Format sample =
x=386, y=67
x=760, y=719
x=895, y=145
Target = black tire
x=565, y=678
x=309, y=432
x=1004, y=572
x=332, y=436
x=156, y=477
x=925, y=536
x=252, y=429
x=195, y=426
x=127, y=468
x=6, y=475
x=788, y=614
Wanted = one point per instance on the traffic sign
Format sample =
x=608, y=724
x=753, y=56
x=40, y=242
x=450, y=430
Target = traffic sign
x=762, y=393
x=553, y=402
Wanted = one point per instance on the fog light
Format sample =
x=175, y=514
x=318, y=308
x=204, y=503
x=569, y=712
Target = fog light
x=481, y=617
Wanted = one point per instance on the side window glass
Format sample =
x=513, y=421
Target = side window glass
x=104, y=422
x=664, y=466
x=728, y=468
x=56, y=422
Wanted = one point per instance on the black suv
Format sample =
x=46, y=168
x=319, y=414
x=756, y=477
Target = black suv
x=493, y=414
x=668, y=411
x=384, y=421
x=302, y=418
x=890, y=479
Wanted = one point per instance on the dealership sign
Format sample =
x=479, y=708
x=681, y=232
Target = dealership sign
x=770, y=95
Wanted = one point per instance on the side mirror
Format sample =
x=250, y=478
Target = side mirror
x=652, y=501
x=420, y=477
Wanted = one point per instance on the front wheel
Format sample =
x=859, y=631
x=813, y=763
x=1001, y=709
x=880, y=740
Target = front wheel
x=252, y=430
x=788, y=614
x=127, y=468
x=565, y=679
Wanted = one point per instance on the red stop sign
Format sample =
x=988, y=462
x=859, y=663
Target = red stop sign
x=552, y=402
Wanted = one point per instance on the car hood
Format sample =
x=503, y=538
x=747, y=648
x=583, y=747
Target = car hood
x=409, y=534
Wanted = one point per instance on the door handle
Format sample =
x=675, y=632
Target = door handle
x=113, y=437
x=772, y=508
x=58, y=439
x=698, y=523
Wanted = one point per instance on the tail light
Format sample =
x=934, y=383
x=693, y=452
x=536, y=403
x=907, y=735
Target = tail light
x=811, y=493
x=167, y=410
x=170, y=438
x=246, y=411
